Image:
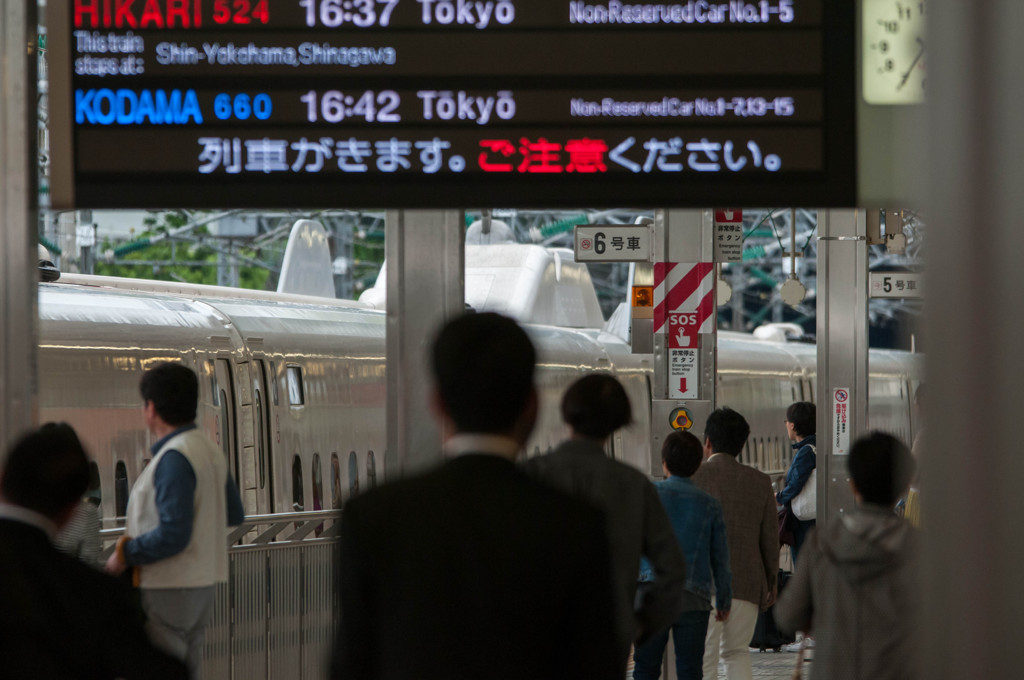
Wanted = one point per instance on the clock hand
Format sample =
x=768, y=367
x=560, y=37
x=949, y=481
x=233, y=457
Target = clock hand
x=906, y=76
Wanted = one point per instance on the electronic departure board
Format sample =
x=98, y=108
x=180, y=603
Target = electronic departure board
x=451, y=103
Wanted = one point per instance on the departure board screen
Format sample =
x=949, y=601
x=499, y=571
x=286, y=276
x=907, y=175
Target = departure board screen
x=451, y=103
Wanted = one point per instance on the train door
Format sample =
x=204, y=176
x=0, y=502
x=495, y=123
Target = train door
x=916, y=422
x=263, y=418
x=224, y=400
x=808, y=390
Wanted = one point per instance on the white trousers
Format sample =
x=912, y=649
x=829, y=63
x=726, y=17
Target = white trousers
x=176, y=621
x=732, y=640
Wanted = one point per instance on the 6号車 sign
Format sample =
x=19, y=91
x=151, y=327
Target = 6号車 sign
x=612, y=243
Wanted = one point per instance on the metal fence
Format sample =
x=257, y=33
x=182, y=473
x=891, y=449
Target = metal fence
x=274, y=619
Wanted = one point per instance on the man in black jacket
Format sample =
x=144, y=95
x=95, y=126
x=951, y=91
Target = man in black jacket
x=61, y=618
x=473, y=570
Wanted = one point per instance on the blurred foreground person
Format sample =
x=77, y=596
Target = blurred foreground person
x=594, y=407
x=752, y=532
x=700, y=529
x=473, y=570
x=58, y=617
x=855, y=584
x=178, y=514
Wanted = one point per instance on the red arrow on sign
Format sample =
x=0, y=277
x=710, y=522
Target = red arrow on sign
x=682, y=385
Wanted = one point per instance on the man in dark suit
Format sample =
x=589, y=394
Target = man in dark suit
x=61, y=618
x=473, y=570
x=752, y=532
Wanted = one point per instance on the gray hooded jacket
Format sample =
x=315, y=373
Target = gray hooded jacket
x=854, y=590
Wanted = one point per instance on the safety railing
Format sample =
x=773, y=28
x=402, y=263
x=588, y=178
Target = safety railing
x=274, y=619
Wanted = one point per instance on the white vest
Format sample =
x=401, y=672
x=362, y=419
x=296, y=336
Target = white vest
x=204, y=561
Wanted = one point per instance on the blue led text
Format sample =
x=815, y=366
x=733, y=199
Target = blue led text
x=129, y=107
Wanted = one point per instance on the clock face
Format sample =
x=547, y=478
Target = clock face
x=893, y=54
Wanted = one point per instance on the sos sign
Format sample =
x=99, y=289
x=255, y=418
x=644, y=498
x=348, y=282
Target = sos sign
x=683, y=329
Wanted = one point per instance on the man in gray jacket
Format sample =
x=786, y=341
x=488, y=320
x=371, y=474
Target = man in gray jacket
x=637, y=526
x=856, y=579
x=752, y=532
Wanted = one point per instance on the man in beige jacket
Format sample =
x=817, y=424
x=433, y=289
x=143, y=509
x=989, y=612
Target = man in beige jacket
x=752, y=532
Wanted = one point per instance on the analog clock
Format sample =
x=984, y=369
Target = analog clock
x=893, y=53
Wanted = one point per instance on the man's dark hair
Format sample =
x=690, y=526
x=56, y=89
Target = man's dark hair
x=596, y=405
x=727, y=431
x=46, y=471
x=483, y=365
x=682, y=453
x=804, y=418
x=881, y=467
x=174, y=391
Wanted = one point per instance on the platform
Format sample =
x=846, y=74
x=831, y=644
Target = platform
x=773, y=665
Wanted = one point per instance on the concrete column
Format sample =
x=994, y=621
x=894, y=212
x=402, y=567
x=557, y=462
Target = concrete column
x=973, y=467
x=426, y=277
x=18, y=214
x=842, y=351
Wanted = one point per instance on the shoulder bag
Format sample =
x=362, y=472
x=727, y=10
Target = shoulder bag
x=805, y=504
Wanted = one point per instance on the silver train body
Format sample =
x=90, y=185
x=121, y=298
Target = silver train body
x=293, y=390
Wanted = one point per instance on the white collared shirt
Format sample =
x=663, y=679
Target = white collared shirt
x=491, y=444
x=30, y=517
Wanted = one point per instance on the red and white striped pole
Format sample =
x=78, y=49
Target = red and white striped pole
x=684, y=325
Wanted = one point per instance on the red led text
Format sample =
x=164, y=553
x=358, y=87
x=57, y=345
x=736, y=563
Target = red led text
x=125, y=14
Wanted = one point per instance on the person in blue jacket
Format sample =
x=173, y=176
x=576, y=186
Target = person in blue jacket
x=699, y=526
x=801, y=425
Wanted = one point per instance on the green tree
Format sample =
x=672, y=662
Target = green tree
x=169, y=259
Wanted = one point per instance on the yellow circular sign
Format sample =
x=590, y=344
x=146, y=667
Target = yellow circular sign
x=680, y=420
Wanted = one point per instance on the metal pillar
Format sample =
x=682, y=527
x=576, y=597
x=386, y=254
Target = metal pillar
x=683, y=236
x=18, y=199
x=972, y=471
x=426, y=277
x=739, y=284
x=842, y=389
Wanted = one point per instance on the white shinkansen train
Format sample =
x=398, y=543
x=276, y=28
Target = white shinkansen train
x=293, y=389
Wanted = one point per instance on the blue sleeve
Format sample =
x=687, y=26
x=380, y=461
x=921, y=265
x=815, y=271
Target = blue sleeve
x=175, y=484
x=720, y=561
x=799, y=473
x=236, y=513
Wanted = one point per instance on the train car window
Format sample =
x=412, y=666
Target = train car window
x=296, y=393
x=225, y=421
x=371, y=471
x=335, y=482
x=273, y=383
x=260, y=440
x=120, y=489
x=353, y=474
x=318, y=483
x=298, y=500
x=94, y=493
x=214, y=390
